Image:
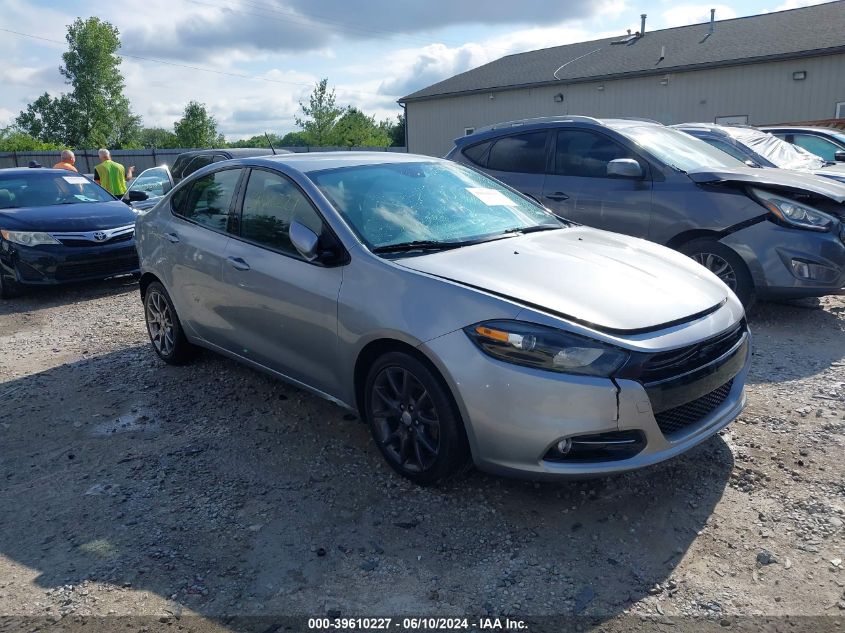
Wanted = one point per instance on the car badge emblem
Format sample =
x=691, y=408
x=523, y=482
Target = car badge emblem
x=100, y=236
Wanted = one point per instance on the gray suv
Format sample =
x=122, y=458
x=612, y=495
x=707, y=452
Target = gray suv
x=765, y=233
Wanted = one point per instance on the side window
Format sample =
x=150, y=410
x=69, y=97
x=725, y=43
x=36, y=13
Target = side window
x=524, y=153
x=219, y=157
x=155, y=182
x=816, y=145
x=729, y=149
x=478, y=153
x=197, y=163
x=271, y=204
x=208, y=200
x=583, y=153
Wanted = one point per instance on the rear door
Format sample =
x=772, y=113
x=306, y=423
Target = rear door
x=578, y=187
x=280, y=310
x=520, y=161
x=197, y=236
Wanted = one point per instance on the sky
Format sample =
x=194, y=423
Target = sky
x=252, y=61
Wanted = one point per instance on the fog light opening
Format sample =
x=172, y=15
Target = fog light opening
x=812, y=272
x=597, y=447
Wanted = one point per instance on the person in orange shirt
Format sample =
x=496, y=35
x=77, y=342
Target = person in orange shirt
x=67, y=162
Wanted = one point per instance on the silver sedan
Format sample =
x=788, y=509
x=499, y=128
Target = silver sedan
x=462, y=320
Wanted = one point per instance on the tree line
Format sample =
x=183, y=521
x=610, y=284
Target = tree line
x=96, y=113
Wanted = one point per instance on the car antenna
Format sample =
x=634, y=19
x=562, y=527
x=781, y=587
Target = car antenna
x=270, y=143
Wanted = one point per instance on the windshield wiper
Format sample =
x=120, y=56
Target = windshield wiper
x=420, y=245
x=534, y=229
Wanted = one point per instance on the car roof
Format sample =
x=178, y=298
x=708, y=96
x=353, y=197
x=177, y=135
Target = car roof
x=317, y=161
x=234, y=152
x=539, y=123
x=808, y=128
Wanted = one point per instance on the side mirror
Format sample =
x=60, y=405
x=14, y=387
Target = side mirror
x=839, y=156
x=304, y=240
x=624, y=168
x=137, y=196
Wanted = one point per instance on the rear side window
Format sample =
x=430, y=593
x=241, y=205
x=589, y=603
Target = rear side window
x=478, y=153
x=208, y=199
x=197, y=163
x=583, y=153
x=524, y=153
x=271, y=204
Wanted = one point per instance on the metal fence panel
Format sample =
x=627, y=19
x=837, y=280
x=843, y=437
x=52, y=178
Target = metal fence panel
x=141, y=158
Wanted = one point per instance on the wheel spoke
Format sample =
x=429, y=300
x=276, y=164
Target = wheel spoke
x=425, y=442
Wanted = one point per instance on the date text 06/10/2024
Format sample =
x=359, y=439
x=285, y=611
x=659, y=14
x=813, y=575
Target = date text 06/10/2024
x=416, y=624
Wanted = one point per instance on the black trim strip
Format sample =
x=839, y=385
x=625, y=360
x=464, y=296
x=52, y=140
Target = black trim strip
x=592, y=326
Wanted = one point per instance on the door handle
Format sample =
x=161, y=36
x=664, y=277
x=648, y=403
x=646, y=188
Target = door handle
x=557, y=196
x=172, y=237
x=238, y=263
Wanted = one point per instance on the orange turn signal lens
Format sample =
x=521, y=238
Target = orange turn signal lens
x=496, y=335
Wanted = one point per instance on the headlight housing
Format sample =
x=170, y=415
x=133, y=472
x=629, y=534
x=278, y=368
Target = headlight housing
x=28, y=238
x=794, y=213
x=546, y=348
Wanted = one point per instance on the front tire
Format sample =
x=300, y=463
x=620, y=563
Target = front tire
x=414, y=420
x=723, y=262
x=163, y=326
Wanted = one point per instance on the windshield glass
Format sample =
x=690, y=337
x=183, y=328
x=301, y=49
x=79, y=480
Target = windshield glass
x=782, y=154
x=43, y=189
x=433, y=202
x=678, y=149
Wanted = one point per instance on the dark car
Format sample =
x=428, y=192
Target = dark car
x=764, y=232
x=151, y=184
x=188, y=162
x=762, y=149
x=826, y=142
x=57, y=226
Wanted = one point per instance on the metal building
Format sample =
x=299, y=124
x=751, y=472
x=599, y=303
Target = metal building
x=787, y=66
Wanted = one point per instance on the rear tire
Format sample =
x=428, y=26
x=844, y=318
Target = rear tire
x=163, y=325
x=414, y=420
x=726, y=265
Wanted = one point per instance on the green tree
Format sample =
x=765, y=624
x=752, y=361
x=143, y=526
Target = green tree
x=95, y=113
x=157, y=137
x=43, y=120
x=293, y=139
x=259, y=140
x=14, y=140
x=356, y=129
x=396, y=130
x=197, y=128
x=319, y=115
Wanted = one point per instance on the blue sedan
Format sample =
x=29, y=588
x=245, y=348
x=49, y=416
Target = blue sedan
x=57, y=226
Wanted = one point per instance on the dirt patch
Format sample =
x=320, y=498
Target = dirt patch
x=131, y=487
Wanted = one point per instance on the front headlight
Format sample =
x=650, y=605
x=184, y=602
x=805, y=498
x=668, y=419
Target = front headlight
x=794, y=213
x=28, y=238
x=546, y=348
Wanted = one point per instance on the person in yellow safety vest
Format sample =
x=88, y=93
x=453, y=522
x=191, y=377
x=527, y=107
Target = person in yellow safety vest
x=111, y=175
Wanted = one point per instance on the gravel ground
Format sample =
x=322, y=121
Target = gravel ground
x=129, y=488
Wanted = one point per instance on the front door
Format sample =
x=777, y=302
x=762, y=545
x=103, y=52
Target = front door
x=579, y=188
x=280, y=310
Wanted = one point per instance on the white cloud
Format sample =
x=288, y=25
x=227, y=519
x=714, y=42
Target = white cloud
x=685, y=14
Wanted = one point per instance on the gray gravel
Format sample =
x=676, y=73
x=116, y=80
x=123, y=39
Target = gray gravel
x=131, y=487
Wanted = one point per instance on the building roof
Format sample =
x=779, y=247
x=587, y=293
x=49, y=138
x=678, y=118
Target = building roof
x=780, y=35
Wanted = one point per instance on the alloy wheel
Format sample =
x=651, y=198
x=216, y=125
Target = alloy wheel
x=160, y=323
x=405, y=418
x=719, y=267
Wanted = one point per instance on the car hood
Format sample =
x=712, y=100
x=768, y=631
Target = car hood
x=608, y=281
x=780, y=178
x=84, y=216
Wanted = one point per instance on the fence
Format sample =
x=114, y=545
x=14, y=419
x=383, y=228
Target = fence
x=141, y=158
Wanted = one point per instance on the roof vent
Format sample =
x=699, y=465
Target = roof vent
x=625, y=40
x=642, y=24
x=712, y=21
